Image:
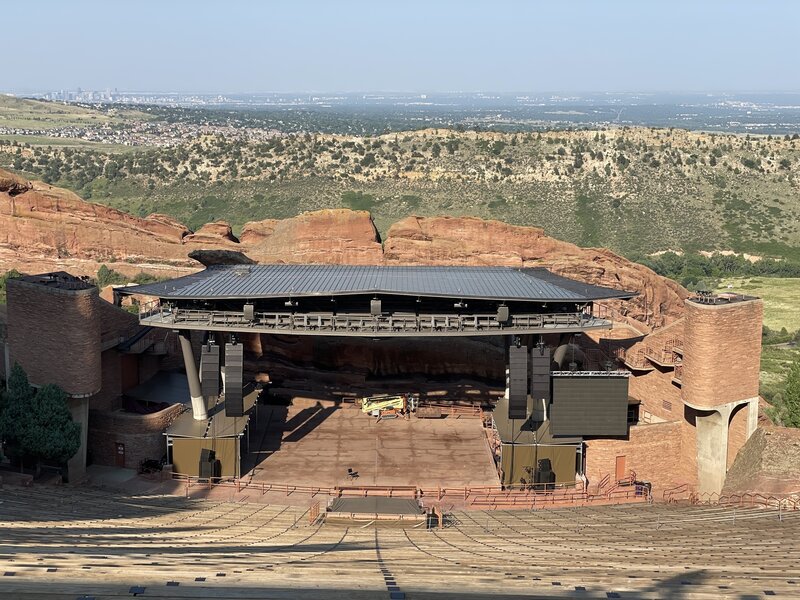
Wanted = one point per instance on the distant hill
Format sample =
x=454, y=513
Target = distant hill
x=22, y=113
x=634, y=190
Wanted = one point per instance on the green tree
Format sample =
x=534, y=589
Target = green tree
x=3, y=280
x=111, y=170
x=106, y=276
x=37, y=423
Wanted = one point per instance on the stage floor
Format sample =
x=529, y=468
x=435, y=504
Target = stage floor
x=314, y=444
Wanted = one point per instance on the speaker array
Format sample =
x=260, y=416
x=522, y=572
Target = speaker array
x=209, y=370
x=540, y=374
x=502, y=314
x=234, y=361
x=518, y=382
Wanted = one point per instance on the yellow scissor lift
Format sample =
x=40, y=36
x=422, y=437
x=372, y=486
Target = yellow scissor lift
x=386, y=406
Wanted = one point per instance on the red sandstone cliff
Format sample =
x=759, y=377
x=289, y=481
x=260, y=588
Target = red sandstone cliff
x=52, y=225
x=42, y=220
x=472, y=241
x=325, y=236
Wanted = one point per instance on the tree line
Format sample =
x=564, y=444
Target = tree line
x=694, y=271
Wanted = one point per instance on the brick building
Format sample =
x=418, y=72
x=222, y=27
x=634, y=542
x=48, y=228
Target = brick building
x=696, y=386
x=60, y=331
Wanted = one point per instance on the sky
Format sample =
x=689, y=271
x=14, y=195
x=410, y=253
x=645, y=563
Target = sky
x=401, y=45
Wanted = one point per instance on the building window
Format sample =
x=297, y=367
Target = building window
x=633, y=414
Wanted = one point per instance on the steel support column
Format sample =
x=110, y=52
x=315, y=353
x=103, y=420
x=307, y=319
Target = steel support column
x=198, y=403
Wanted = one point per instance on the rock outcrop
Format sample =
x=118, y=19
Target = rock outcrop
x=50, y=221
x=13, y=184
x=44, y=223
x=209, y=258
x=324, y=236
x=769, y=463
x=473, y=241
x=215, y=233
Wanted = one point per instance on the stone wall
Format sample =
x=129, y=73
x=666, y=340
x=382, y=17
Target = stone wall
x=656, y=392
x=116, y=322
x=722, y=352
x=54, y=335
x=108, y=398
x=653, y=451
x=142, y=435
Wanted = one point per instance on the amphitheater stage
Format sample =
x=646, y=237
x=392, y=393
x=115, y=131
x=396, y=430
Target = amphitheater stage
x=314, y=443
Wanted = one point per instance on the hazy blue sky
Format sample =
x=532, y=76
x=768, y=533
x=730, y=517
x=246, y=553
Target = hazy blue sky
x=402, y=45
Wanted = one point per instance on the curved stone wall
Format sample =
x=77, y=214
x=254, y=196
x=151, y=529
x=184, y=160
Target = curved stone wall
x=54, y=334
x=141, y=435
x=722, y=352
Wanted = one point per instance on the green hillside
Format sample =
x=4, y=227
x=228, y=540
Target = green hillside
x=636, y=191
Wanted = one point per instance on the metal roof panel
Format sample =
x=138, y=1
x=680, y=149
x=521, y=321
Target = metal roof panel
x=271, y=281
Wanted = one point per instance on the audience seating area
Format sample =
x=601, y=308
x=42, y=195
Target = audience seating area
x=70, y=543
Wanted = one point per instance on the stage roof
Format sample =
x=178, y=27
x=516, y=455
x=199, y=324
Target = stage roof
x=249, y=282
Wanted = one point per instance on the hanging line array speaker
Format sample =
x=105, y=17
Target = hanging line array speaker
x=540, y=374
x=234, y=361
x=209, y=370
x=518, y=382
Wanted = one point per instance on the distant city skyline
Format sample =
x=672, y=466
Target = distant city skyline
x=414, y=47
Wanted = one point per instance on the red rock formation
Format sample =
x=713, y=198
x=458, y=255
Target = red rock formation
x=215, y=233
x=473, y=241
x=47, y=221
x=13, y=184
x=52, y=221
x=324, y=236
x=44, y=223
x=769, y=463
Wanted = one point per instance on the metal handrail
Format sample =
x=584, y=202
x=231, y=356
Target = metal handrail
x=288, y=321
x=746, y=499
x=670, y=495
x=480, y=495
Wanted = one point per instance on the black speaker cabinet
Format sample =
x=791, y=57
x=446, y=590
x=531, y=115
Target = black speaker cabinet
x=540, y=374
x=234, y=362
x=518, y=382
x=206, y=469
x=545, y=479
x=209, y=370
